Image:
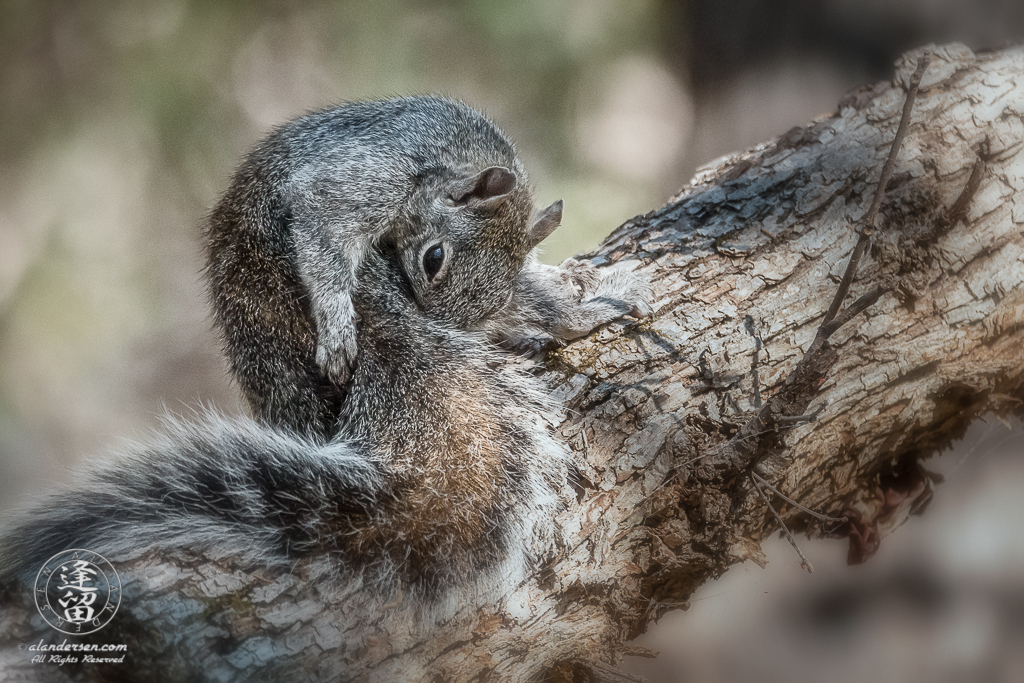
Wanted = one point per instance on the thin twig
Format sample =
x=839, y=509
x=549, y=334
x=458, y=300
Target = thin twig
x=817, y=515
x=804, y=562
x=857, y=307
x=748, y=322
x=851, y=270
x=864, y=234
x=897, y=143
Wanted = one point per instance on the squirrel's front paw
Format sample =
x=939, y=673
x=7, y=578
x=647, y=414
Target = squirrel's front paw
x=632, y=289
x=336, y=346
x=336, y=357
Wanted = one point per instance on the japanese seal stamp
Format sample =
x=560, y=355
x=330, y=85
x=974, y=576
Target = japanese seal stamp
x=77, y=592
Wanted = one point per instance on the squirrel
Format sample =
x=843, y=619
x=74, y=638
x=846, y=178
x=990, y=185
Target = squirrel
x=426, y=173
x=430, y=418
x=287, y=239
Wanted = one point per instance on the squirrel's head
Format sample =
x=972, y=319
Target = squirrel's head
x=467, y=238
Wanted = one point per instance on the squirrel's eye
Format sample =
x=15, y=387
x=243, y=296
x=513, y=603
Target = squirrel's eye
x=433, y=259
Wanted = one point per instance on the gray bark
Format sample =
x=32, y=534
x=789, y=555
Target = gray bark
x=752, y=248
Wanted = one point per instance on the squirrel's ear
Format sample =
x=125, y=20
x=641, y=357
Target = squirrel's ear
x=490, y=184
x=544, y=222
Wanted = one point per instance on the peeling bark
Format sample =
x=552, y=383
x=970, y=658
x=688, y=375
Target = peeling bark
x=745, y=258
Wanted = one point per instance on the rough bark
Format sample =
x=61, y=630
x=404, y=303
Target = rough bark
x=745, y=260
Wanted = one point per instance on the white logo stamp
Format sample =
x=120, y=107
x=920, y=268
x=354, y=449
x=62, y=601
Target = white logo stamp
x=77, y=592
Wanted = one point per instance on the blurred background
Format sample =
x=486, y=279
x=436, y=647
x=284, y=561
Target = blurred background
x=123, y=119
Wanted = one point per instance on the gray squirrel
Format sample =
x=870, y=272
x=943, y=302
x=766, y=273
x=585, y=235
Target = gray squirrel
x=430, y=176
x=430, y=418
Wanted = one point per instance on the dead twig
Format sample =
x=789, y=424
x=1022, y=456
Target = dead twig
x=868, y=228
x=859, y=306
x=817, y=515
x=754, y=377
x=804, y=562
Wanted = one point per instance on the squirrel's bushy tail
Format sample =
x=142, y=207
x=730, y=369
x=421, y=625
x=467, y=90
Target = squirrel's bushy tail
x=233, y=484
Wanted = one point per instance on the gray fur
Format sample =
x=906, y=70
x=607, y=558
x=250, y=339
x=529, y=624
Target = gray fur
x=198, y=486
